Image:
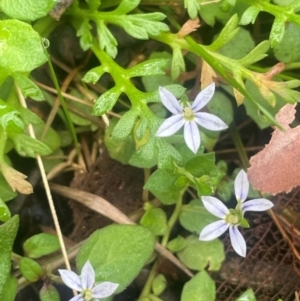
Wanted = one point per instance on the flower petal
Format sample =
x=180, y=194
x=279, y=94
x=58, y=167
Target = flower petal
x=215, y=206
x=104, y=289
x=237, y=241
x=170, y=126
x=87, y=276
x=77, y=298
x=192, y=136
x=213, y=230
x=203, y=97
x=71, y=279
x=169, y=101
x=241, y=186
x=257, y=205
x=210, y=121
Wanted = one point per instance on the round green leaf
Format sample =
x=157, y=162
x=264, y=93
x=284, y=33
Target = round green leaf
x=117, y=253
x=200, y=288
x=30, y=269
x=198, y=254
x=194, y=217
x=40, y=245
x=287, y=50
x=156, y=220
x=21, y=47
x=27, y=10
x=49, y=293
x=176, y=244
x=159, y=284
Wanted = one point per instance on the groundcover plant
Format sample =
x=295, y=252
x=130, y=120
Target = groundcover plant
x=184, y=91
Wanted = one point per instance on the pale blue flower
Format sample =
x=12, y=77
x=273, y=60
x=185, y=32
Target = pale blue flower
x=85, y=284
x=231, y=219
x=188, y=116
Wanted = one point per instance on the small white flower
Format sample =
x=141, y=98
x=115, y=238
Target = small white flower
x=232, y=218
x=188, y=116
x=85, y=284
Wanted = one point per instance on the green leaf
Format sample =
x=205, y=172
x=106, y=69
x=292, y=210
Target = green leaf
x=41, y=244
x=30, y=269
x=194, y=217
x=212, y=12
x=250, y=15
x=153, y=82
x=117, y=253
x=227, y=5
x=27, y=10
x=221, y=106
x=252, y=111
x=148, y=68
x=256, y=54
x=176, y=244
x=162, y=185
x=49, y=293
x=6, y=193
x=28, y=116
x=93, y=4
x=84, y=32
x=239, y=46
x=120, y=150
x=51, y=139
x=200, y=288
x=277, y=31
x=126, y=6
x=8, y=233
x=227, y=33
x=21, y=47
x=93, y=75
x=248, y=295
x=145, y=156
x=287, y=50
x=201, y=165
x=159, y=284
x=155, y=219
x=193, y=7
x=149, y=22
x=28, y=87
x=106, y=101
x=125, y=125
x=199, y=254
x=10, y=289
x=178, y=63
x=26, y=145
x=4, y=211
x=106, y=39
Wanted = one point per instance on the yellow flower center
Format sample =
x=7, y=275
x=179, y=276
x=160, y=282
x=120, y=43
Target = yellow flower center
x=232, y=219
x=87, y=295
x=188, y=114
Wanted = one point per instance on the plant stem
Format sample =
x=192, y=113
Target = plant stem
x=147, y=288
x=239, y=145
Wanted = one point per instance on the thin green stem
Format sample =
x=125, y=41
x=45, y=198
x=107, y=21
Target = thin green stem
x=239, y=145
x=63, y=103
x=174, y=217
